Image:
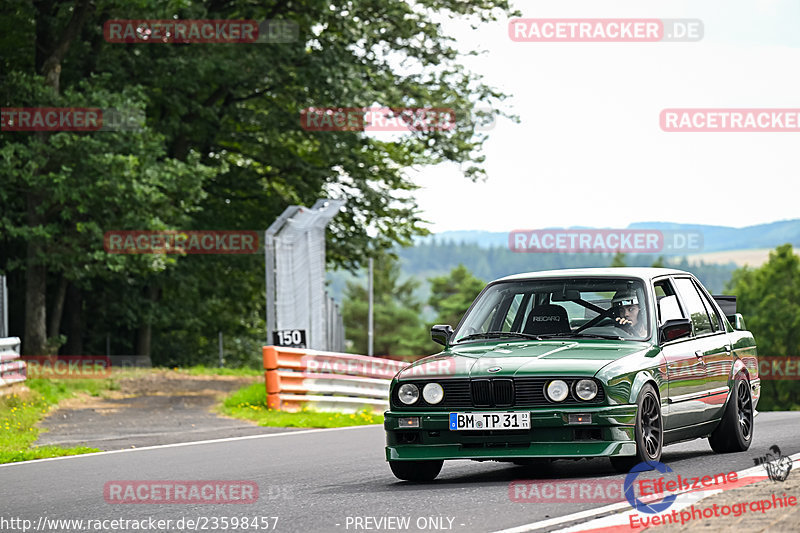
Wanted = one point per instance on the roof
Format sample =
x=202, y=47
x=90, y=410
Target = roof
x=632, y=272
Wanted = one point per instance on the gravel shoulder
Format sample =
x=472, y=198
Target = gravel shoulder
x=151, y=407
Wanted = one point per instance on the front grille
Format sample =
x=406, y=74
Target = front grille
x=456, y=393
x=503, y=392
x=496, y=392
x=530, y=391
x=481, y=393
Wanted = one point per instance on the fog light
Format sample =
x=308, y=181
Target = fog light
x=408, y=422
x=580, y=419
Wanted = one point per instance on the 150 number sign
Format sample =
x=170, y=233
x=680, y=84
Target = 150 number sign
x=296, y=338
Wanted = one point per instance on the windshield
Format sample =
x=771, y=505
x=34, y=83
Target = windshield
x=590, y=307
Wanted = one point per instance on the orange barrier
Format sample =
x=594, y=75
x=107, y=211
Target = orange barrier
x=327, y=381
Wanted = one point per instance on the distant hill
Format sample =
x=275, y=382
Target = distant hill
x=715, y=238
x=487, y=255
x=434, y=259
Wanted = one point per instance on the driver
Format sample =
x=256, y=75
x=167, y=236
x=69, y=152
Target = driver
x=626, y=307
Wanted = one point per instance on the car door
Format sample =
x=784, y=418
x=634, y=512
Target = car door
x=686, y=372
x=711, y=345
x=718, y=355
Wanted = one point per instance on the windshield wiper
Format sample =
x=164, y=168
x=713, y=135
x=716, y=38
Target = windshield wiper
x=583, y=335
x=498, y=334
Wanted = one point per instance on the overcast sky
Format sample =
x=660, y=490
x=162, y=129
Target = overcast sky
x=589, y=150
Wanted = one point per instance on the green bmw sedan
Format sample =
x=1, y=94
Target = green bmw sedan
x=570, y=364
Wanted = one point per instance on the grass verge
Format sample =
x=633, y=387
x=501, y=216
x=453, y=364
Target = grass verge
x=19, y=412
x=250, y=403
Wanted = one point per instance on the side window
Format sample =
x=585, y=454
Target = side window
x=715, y=322
x=660, y=292
x=668, y=306
x=695, y=307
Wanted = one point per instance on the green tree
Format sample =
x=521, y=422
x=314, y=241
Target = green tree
x=769, y=299
x=451, y=295
x=222, y=148
x=619, y=260
x=399, y=330
x=659, y=263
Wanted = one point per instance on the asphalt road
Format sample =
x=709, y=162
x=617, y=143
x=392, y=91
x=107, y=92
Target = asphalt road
x=159, y=407
x=323, y=480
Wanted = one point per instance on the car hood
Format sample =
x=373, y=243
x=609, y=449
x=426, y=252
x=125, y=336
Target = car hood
x=561, y=358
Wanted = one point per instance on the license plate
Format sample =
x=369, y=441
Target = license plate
x=481, y=421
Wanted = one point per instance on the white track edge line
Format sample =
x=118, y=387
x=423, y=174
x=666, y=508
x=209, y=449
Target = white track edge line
x=179, y=444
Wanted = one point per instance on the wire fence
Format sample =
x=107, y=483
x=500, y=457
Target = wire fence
x=294, y=248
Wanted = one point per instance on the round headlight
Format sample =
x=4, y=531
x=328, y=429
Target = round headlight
x=433, y=393
x=586, y=389
x=408, y=393
x=557, y=390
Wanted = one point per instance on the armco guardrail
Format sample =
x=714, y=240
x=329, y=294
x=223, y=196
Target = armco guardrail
x=12, y=370
x=327, y=381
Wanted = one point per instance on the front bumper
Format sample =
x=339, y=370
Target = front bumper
x=611, y=433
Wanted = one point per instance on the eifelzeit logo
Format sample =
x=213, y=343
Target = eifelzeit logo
x=776, y=464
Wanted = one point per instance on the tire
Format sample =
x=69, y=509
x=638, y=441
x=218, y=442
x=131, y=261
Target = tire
x=419, y=471
x=735, y=431
x=648, y=432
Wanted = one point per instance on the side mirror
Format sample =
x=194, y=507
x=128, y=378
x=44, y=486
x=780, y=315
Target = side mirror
x=675, y=329
x=737, y=321
x=441, y=333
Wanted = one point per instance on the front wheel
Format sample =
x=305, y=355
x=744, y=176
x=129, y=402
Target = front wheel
x=735, y=431
x=419, y=471
x=648, y=432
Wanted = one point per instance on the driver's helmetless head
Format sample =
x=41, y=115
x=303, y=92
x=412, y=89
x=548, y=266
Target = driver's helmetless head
x=626, y=304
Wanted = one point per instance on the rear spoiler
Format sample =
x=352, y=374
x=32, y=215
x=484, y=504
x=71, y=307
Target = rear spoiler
x=728, y=305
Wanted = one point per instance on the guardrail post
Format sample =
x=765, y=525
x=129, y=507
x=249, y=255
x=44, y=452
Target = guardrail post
x=271, y=377
x=12, y=368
